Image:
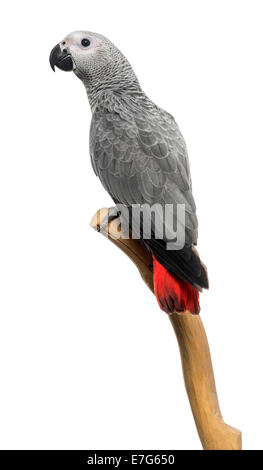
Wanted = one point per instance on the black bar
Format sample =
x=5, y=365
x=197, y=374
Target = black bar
x=112, y=458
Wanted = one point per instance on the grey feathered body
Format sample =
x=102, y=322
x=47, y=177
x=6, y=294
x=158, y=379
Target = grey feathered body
x=140, y=156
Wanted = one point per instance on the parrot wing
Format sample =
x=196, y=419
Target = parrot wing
x=141, y=157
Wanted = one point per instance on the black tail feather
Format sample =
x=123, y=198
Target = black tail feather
x=184, y=263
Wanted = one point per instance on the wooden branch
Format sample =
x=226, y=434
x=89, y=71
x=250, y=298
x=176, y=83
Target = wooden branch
x=194, y=349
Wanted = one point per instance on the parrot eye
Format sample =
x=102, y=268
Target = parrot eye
x=85, y=42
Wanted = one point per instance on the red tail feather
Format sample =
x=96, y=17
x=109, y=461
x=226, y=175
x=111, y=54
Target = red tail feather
x=173, y=294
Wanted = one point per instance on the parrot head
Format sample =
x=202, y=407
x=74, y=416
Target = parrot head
x=79, y=51
x=94, y=59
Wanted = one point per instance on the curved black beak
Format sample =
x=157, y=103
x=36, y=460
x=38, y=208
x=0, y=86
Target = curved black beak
x=61, y=59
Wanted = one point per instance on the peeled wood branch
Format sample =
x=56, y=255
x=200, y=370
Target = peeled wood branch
x=214, y=433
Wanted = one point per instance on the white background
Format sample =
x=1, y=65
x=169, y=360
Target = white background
x=87, y=358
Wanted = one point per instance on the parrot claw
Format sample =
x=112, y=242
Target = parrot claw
x=112, y=214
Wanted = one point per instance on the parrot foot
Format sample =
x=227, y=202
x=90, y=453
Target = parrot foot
x=113, y=213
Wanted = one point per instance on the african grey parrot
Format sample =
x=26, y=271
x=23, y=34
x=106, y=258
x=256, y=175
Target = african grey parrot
x=140, y=156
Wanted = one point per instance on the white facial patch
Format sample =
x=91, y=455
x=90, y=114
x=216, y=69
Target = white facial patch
x=73, y=42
